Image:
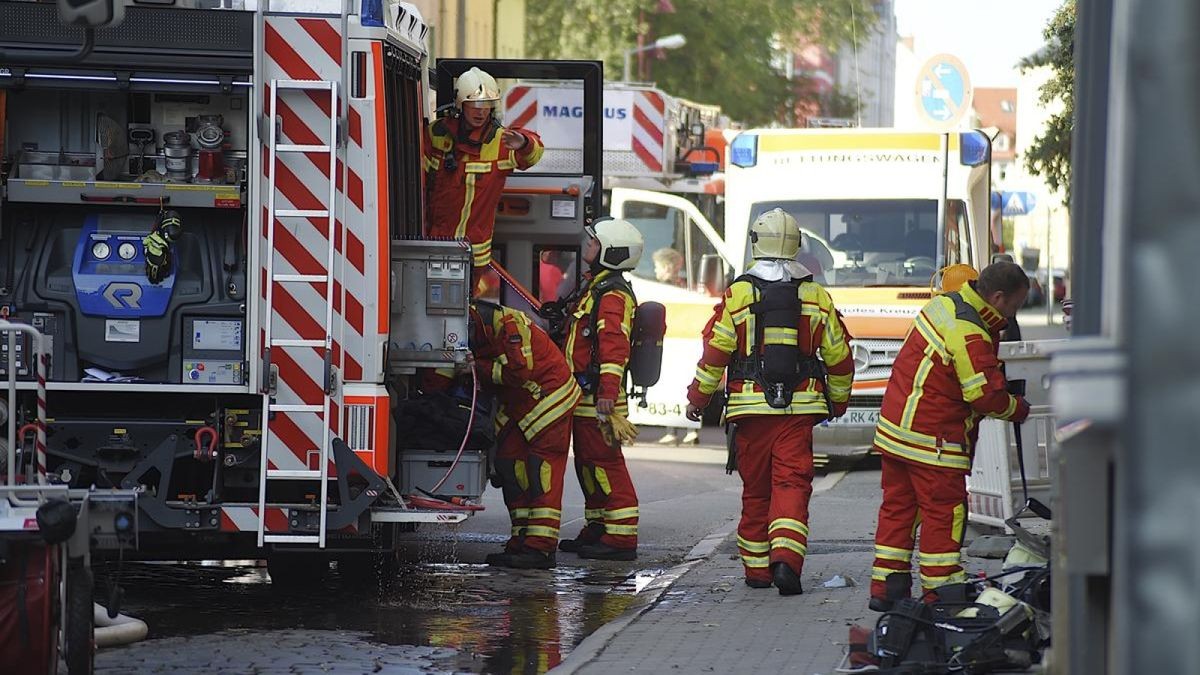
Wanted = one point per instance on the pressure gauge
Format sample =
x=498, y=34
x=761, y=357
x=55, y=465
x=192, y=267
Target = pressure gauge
x=126, y=250
x=100, y=250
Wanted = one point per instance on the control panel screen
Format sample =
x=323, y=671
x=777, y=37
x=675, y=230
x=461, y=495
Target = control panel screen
x=217, y=335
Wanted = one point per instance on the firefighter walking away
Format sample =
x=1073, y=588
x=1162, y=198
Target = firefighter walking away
x=945, y=379
x=537, y=394
x=769, y=329
x=600, y=320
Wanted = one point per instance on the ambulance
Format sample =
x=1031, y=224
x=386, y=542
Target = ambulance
x=881, y=212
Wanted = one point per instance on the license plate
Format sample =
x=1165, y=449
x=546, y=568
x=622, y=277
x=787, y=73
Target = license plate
x=857, y=417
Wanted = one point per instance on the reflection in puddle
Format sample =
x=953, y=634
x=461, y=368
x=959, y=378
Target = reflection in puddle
x=497, y=621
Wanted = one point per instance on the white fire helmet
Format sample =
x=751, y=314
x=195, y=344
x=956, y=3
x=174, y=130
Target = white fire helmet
x=620, y=243
x=476, y=86
x=775, y=234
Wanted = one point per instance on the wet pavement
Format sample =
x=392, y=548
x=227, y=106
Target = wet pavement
x=435, y=617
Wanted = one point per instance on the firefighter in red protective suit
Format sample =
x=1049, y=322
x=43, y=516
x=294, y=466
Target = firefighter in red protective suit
x=597, y=346
x=537, y=394
x=468, y=157
x=768, y=330
x=946, y=377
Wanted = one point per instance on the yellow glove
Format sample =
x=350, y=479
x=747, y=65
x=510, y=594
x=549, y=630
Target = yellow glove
x=622, y=429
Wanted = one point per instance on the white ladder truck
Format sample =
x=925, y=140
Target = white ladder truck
x=239, y=367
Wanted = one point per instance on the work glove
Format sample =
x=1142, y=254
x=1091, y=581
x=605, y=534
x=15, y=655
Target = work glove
x=617, y=430
x=838, y=410
x=156, y=246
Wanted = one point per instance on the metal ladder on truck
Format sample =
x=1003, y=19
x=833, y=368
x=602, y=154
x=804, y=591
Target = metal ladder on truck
x=275, y=452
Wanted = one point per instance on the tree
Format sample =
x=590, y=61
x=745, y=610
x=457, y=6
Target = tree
x=1049, y=156
x=733, y=53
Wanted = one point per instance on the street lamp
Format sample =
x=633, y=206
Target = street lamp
x=669, y=42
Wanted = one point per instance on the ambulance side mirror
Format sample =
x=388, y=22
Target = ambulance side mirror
x=92, y=13
x=712, y=274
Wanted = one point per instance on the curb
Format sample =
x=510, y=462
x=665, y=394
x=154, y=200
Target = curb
x=595, y=643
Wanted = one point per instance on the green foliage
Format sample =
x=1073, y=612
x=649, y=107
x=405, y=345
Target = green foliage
x=733, y=53
x=1049, y=156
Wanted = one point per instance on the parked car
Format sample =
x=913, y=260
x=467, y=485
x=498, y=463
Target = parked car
x=1037, y=294
x=1059, y=285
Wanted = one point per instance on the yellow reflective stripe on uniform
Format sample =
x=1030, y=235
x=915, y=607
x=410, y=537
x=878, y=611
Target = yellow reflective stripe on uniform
x=541, y=531
x=546, y=476
x=924, y=455
x=940, y=559
x=890, y=553
x=933, y=582
x=788, y=524
x=916, y=438
x=478, y=167
x=481, y=254
x=550, y=409
x=709, y=378
x=432, y=163
x=460, y=231
x=754, y=546
x=630, y=530
x=789, y=544
x=518, y=514
x=544, y=512
x=497, y=372
x=959, y=525
x=612, y=369
x=926, y=330
x=1011, y=409
x=621, y=514
x=506, y=164
x=881, y=573
x=975, y=381
x=589, y=487
x=593, y=514
x=781, y=336
x=918, y=390
x=756, y=561
x=602, y=480
x=725, y=332
x=522, y=478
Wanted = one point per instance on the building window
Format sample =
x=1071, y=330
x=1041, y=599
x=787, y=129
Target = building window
x=1006, y=106
x=1002, y=143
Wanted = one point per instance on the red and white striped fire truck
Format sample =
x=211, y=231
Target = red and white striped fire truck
x=243, y=382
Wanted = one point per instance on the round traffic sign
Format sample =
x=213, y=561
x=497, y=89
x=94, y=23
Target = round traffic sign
x=943, y=91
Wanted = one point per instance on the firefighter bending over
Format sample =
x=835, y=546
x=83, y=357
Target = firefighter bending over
x=768, y=329
x=946, y=378
x=537, y=394
x=598, y=347
x=468, y=157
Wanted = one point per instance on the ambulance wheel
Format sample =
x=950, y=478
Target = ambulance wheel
x=80, y=648
x=296, y=570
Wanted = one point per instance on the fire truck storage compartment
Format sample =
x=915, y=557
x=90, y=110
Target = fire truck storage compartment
x=78, y=274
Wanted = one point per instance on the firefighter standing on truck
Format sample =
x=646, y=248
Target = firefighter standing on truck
x=468, y=157
x=768, y=329
x=598, y=348
x=946, y=377
x=537, y=393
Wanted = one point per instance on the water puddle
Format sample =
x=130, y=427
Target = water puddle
x=467, y=617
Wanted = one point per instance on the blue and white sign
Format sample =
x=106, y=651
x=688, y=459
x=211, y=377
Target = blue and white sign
x=1014, y=203
x=559, y=119
x=944, y=92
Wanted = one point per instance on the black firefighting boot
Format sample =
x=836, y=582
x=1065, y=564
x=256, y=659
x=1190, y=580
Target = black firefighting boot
x=590, y=535
x=899, y=587
x=757, y=583
x=786, y=579
x=525, y=559
x=600, y=551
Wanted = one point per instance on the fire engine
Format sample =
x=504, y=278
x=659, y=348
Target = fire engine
x=212, y=215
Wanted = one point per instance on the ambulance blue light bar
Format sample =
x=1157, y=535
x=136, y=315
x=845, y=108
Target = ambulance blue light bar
x=371, y=14
x=743, y=151
x=974, y=148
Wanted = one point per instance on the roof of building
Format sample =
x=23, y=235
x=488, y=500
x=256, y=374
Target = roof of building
x=997, y=107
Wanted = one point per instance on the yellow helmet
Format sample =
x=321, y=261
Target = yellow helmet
x=476, y=86
x=954, y=276
x=775, y=234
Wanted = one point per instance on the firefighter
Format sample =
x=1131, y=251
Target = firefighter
x=597, y=346
x=537, y=394
x=946, y=377
x=468, y=156
x=768, y=329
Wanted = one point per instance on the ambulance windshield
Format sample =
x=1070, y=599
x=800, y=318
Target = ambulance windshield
x=878, y=242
